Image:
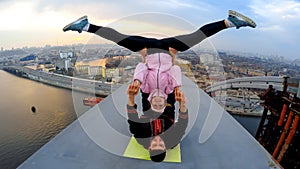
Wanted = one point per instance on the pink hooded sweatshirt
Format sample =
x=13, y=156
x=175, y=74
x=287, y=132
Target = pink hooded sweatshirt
x=158, y=73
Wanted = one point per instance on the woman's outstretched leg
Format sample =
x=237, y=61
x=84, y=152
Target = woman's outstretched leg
x=180, y=43
x=133, y=43
x=184, y=42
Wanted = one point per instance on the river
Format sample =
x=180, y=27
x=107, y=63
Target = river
x=22, y=132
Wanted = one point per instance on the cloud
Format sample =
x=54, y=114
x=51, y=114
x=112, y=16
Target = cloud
x=108, y=9
x=271, y=28
x=175, y=4
x=31, y=14
x=277, y=11
x=16, y=16
x=277, y=19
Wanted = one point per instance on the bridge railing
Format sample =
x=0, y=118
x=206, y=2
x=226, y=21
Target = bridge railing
x=258, y=82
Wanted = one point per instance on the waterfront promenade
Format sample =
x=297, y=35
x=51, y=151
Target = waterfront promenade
x=84, y=85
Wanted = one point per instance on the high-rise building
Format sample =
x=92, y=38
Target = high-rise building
x=65, y=55
x=1, y=49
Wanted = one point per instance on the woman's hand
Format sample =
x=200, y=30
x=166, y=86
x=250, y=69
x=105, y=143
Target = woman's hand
x=173, y=53
x=180, y=97
x=143, y=52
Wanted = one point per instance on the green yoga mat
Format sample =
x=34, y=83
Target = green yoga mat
x=135, y=150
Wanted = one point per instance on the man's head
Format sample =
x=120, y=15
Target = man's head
x=157, y=100
x=157, y=149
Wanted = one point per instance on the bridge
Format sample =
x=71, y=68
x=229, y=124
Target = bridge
x=99, y=137
x=257, y=82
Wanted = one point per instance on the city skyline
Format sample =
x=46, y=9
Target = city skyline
x=40, y=22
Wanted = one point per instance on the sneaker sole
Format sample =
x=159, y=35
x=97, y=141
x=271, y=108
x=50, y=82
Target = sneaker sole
x=82, y=18
x=245, y=18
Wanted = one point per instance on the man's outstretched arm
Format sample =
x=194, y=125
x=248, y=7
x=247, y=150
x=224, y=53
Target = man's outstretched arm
x=138, y=128
x=176, y=133
x=183, y=112
x=132, y=90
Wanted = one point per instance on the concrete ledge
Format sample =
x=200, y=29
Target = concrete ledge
x=214, y=140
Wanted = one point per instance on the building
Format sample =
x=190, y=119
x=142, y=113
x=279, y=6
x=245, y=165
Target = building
x=82, y=69
x=63, y=64
x=129, y=71
x=46, y=67
x=65, y=55
x=28, y=59
x=253, y=72
x=207, y=59
x=116, y=79
x=95, y=71
x=112, y=72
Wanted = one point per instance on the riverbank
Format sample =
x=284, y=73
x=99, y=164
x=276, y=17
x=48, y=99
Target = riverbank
x=98, y=88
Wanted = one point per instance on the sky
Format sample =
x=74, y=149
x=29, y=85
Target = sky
x=40, y=22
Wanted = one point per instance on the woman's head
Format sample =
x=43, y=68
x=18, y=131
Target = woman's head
x=158, y=104
x=157, y=100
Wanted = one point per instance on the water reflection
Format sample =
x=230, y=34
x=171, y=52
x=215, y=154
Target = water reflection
x=24, y=132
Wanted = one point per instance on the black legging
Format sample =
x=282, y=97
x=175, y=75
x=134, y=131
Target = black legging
x=137, y=43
